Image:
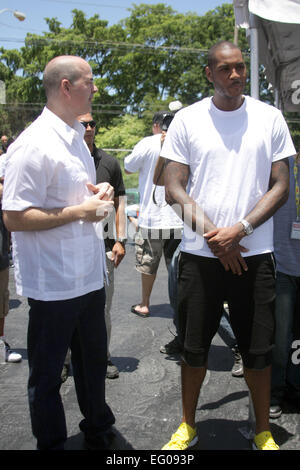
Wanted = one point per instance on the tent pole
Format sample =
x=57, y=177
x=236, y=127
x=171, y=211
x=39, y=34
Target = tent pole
x=254, y=64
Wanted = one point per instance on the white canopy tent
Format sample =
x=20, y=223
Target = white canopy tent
x=273, y=27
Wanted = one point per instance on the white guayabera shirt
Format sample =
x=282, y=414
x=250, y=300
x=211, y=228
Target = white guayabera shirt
x=48, y=167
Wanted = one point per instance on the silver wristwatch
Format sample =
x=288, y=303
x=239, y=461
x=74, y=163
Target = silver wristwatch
x=121, y=240
x=248, y=229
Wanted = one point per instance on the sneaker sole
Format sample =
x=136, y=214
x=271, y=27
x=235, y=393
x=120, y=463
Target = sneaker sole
x=169, y=353
x=254, y=447
x=112, y=376
x=237, y=374
x=275, y=415
x=193, y=442
x=13, y=361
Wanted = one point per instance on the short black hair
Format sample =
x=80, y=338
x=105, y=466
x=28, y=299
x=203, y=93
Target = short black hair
x=159, y=117
x=211, y=56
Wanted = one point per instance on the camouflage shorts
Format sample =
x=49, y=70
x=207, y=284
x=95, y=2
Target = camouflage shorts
x=150, y=245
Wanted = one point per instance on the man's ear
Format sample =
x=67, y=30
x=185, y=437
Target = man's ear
x=208, y=74
x=65, y=86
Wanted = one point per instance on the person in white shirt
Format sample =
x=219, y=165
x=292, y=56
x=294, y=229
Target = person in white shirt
x=160, y=228
x=227, y=171
x=54, y=209
x=10, y=356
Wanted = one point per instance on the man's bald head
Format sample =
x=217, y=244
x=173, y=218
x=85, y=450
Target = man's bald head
x=62, y=67
x=211, y=58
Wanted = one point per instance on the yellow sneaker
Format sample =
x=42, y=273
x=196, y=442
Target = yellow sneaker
x=184, y=437
x=264, y=441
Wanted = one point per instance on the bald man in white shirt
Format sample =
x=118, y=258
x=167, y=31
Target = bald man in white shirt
x=54, y=209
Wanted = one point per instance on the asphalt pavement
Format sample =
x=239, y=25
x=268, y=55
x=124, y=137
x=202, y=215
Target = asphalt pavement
x=146, y=397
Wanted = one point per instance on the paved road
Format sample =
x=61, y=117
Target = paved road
x=146, y=396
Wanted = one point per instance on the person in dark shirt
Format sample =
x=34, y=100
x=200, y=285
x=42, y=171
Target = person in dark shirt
x=108, y=170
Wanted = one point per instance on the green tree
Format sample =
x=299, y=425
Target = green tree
x=169, y=53
x=125, y=132
x=151, y=57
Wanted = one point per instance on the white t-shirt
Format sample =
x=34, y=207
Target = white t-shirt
x=48, y=167
x=229, y=154
x=143, y=159
x=3, y=159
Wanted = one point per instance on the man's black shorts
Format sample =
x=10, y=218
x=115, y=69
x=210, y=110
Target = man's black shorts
x=204, y=285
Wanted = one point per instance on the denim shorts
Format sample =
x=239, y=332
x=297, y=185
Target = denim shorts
x=204, y=285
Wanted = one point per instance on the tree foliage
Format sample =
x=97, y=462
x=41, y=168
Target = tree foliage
x=152, y=55
x=120, y=138
x=140, y=64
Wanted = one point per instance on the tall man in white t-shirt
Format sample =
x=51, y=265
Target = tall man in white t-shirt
x=227, y=170
x=54, y=209
x=159, y=227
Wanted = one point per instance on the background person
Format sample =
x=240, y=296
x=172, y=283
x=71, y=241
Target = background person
x=285, y=384
x=159, y=227
x=10, y=356
x=108, y=170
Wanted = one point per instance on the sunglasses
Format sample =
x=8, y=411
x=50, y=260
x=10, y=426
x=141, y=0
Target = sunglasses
x=92, y=124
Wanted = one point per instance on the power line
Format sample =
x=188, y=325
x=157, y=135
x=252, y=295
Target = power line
x=116, y=45
x=12, y=40
x=108, y=45
x=20, y=28
x=111, y=45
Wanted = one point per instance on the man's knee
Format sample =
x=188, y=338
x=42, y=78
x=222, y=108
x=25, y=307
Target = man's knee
x=254, y=361
x=194, y=359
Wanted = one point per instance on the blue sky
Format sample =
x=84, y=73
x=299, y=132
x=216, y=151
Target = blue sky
x=13, y=32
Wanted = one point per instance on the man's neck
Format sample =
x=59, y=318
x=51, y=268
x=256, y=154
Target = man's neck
x=62, y=114
x=227, y=104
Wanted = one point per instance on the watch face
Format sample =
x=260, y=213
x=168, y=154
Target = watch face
x=248, y=229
